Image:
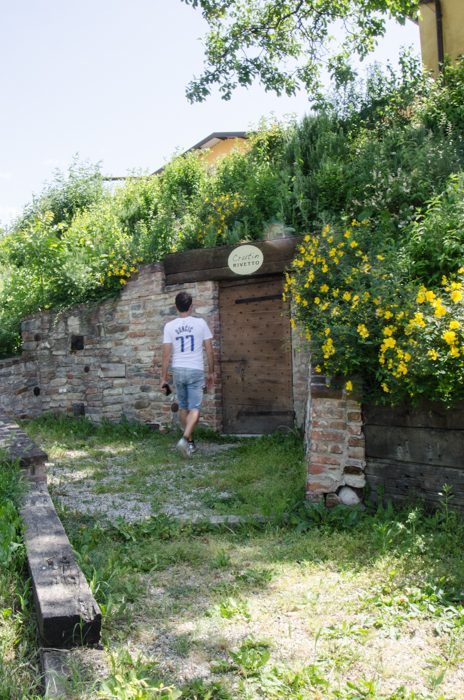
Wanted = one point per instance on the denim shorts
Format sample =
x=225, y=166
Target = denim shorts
x=189, y=385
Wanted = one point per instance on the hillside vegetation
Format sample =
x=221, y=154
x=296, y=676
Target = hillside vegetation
x=389, y=152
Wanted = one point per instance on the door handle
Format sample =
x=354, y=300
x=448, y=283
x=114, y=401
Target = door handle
x=242, y=362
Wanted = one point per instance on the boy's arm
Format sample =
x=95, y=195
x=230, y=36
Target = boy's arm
x=165, y=363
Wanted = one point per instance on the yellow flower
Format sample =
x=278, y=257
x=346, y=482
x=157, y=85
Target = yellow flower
x=324, y=288
x=388, y=314
x=439, y=309
x=317, y=300
x=349, y=386
x=328, y=348
x=101, y=279
x=444, y=281
x=132, y=269
x=455, y=352
x=449, y=337
x=140, y=259
x=430, y=296
x=385, y=387
x=418, y=320
x=353, y=244
x=433, y=354
x=454, y=324
x=456, y=296
x=380, y=257
x=389, y=330
x=123, y=281
x=109, y=273
x=362, y=330
x=347, y=234
x=387, y=343
x=327, y=331
x=318, y=369
x=347, y=296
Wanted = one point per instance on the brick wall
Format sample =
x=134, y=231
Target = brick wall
x=334, y=440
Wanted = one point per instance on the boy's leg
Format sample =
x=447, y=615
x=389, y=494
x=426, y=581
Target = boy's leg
x=190, y=423
x=187, y=419
x=195, y=396
x=183, y=416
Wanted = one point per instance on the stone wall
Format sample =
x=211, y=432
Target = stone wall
x=105, y=359
x=334, y=440
x=19, y=387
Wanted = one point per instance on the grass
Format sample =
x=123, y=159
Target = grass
x=142, y=473
x=19, y=672
x=326, y=605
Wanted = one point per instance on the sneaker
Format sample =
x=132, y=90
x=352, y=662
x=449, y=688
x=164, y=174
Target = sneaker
x=192, y=447
x=183, y=447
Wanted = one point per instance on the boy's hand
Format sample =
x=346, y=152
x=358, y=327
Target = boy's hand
x=165, y=387
x=210, y=380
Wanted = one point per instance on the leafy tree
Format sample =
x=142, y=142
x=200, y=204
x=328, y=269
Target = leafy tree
x=68, y=193
x=283, y=43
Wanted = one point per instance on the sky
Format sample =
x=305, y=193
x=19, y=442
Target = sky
x=106, y=79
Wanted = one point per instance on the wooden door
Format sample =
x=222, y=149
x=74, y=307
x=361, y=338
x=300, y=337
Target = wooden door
x=256, y=360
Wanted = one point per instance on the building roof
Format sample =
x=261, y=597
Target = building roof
x=211, y=141
x=206, y=143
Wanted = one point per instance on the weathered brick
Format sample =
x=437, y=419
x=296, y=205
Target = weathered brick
x=356, y=452
x=321, y=459
x=354, y=416
x=327, y=435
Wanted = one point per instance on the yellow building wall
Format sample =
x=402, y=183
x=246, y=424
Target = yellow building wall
x=453, y=31
x=223, y=148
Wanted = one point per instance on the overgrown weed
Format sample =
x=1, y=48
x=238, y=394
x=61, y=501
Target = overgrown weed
x=19, y=672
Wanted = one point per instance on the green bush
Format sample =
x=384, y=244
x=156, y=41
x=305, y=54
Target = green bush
x=364, y=315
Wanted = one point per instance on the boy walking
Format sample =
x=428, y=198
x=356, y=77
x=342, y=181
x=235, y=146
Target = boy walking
x=185, y=336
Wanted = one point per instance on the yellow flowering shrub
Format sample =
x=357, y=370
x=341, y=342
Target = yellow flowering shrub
x=363, y=315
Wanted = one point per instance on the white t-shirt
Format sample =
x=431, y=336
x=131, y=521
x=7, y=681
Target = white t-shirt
x=186, y=336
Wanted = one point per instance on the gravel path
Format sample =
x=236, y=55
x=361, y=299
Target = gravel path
x=77, y=482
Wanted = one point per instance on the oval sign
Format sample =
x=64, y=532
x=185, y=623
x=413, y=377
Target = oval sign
x=245, y=260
